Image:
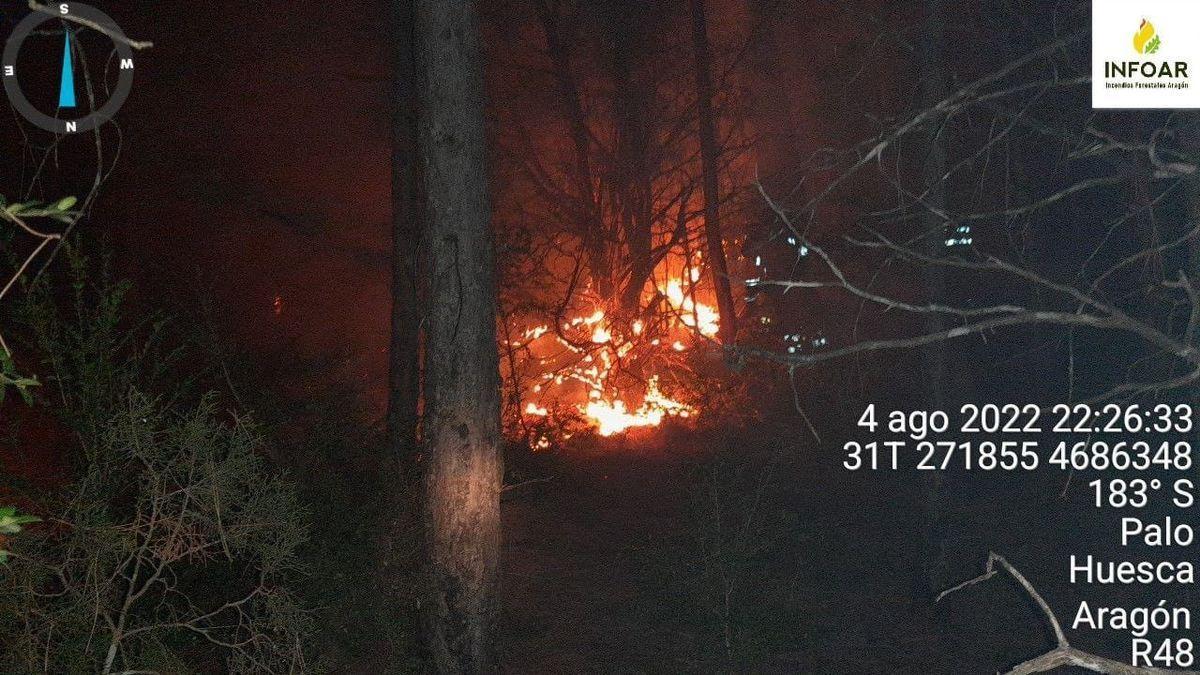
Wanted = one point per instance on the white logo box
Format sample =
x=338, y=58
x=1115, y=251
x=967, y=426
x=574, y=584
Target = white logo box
x=1177, y=24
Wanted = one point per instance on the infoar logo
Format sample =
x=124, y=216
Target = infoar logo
x=1158, y=73
x=1146, y=40
x=1146, y=73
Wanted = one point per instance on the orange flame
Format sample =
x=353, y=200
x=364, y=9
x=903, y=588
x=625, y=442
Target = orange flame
x=586, y=363
x=611, y=417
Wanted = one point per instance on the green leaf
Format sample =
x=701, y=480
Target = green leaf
x=11, y=522
x=9, y=377
x=65, y=203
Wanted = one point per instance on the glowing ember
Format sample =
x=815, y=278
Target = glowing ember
x=592, y=320
x=536, y=332
x=693, y=314
x=611, y=417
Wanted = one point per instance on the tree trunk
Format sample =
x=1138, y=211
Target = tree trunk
x=770, y=108
x=709, y=152
x=1190, y=138
x=591, y=223
x=461, y=428
x=404, y=353
x=933, y=88
x=1193, y=268
x=632, y=101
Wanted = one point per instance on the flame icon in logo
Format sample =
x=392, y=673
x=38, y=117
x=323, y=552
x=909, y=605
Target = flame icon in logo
x=1145, y=40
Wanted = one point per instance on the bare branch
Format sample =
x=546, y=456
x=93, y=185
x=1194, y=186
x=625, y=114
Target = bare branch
x=1063, y=653
x=111, y=31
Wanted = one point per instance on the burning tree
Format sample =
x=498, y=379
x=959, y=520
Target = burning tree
x=618, y=187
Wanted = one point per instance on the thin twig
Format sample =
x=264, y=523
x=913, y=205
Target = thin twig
x=112, y=32
x=523, y=483
x=1063, y=654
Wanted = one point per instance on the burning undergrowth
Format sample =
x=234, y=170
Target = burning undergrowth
x=621, y=231
x=595, y=369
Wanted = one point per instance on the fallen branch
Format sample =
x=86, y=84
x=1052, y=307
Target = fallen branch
x=523, y=483
x=1063, y=653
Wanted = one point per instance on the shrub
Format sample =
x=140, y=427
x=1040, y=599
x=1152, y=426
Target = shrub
x=175, y=538
x=737, y=569
x=173, y=547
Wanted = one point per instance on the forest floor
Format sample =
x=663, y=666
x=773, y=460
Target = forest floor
x=600, y=572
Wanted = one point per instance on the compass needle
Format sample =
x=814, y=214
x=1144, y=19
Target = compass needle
x=66, y=90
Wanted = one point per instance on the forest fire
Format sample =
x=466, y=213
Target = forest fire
x=607, y=371
x=612, y=418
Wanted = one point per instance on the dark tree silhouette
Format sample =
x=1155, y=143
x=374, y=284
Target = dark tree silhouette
x=461, y=425
x=934, y=88
x=710, y=158
x=404, y=352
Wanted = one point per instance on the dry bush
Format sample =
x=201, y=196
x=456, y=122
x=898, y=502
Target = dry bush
x=172, y=546
x=175, y=546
